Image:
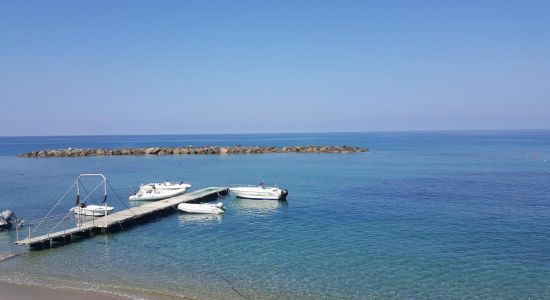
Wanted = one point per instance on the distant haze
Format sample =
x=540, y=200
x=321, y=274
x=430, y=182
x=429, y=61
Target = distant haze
x=167, y=67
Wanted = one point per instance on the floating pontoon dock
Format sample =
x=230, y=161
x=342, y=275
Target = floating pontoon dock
x=123, y=219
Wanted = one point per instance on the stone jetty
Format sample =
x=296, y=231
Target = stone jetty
x=238, y=149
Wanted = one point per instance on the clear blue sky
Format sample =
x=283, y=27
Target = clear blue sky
x=163, y=67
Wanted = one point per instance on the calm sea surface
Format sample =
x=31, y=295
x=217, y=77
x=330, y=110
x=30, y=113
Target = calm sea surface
x=422, y=215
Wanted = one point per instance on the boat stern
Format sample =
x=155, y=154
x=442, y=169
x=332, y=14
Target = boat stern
x=284, y=193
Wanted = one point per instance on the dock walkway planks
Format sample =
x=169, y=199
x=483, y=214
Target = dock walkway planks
x=116, y=220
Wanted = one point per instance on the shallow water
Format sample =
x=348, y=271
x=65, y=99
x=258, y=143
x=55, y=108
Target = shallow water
x=422, y=215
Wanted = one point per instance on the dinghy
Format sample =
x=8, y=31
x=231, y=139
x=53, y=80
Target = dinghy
x=202, y=208
x=260, y=192
x=92, y=210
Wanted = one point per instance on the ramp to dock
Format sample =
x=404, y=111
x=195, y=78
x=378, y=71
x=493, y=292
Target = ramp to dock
x=123, y=219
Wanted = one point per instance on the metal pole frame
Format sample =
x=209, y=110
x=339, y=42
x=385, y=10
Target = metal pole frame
x=104, y=192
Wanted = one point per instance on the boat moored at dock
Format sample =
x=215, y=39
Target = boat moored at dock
x=260, y=192
x=202, y=208
x=92, y=210
x=159, y=191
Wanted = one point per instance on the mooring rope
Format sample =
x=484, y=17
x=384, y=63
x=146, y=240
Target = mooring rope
x=232, y=286
x=36, y=221
x=60, y=222
x=59, y=201
x=119, y=198
x=89, y=194
x=83, y=200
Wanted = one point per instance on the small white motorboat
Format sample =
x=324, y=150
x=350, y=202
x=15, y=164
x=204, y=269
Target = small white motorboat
x=260, y=192
x=92, y=210
x=167, y=185
x=159, y=191
x=202, y=208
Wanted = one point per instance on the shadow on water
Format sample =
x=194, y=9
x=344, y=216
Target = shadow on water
x=258, y=206
x=200, y=219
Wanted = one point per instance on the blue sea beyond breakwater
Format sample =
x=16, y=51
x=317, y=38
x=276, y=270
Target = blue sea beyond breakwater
x=462, y=214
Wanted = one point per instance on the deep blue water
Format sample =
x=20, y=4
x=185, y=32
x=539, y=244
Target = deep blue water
x=422, y=215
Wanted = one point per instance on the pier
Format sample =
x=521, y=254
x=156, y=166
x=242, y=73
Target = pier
x=121, y=220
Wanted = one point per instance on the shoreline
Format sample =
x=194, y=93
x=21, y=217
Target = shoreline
x=220, y=150
x=30, y=292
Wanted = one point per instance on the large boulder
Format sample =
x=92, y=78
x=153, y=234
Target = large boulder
x=150, y=151
x=137, y=151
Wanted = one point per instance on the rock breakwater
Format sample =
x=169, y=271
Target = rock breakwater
x=238, y=149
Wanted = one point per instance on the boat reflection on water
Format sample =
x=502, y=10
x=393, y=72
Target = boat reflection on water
x=204, y=219
x=136, y=203
x=258, y=206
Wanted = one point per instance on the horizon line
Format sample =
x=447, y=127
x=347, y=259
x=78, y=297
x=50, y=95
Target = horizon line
x=297, y=132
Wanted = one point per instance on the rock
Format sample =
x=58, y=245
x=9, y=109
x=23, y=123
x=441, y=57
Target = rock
x=223, y=150
x=152, y=151
x=138, y=151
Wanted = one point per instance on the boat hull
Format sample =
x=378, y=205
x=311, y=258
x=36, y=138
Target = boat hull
x=202, y=208
x=259, y=193
x=158, y=195
x=92, y=210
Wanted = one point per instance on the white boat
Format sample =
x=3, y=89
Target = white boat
x=159, y=191
x=202, y=208
x=92, y=210
x=260, y=192
x=167, y=185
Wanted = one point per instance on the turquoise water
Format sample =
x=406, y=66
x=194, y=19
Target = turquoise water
x=422, y=215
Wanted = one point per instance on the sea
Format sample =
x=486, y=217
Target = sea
x=421, y=215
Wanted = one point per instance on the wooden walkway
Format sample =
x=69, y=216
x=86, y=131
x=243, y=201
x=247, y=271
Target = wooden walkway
x=123, y=219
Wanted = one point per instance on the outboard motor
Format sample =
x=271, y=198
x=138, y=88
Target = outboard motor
x=3, y=224
x=284, y=193
x=8, y=219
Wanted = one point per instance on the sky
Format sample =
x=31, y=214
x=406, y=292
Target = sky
x=180, y=67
